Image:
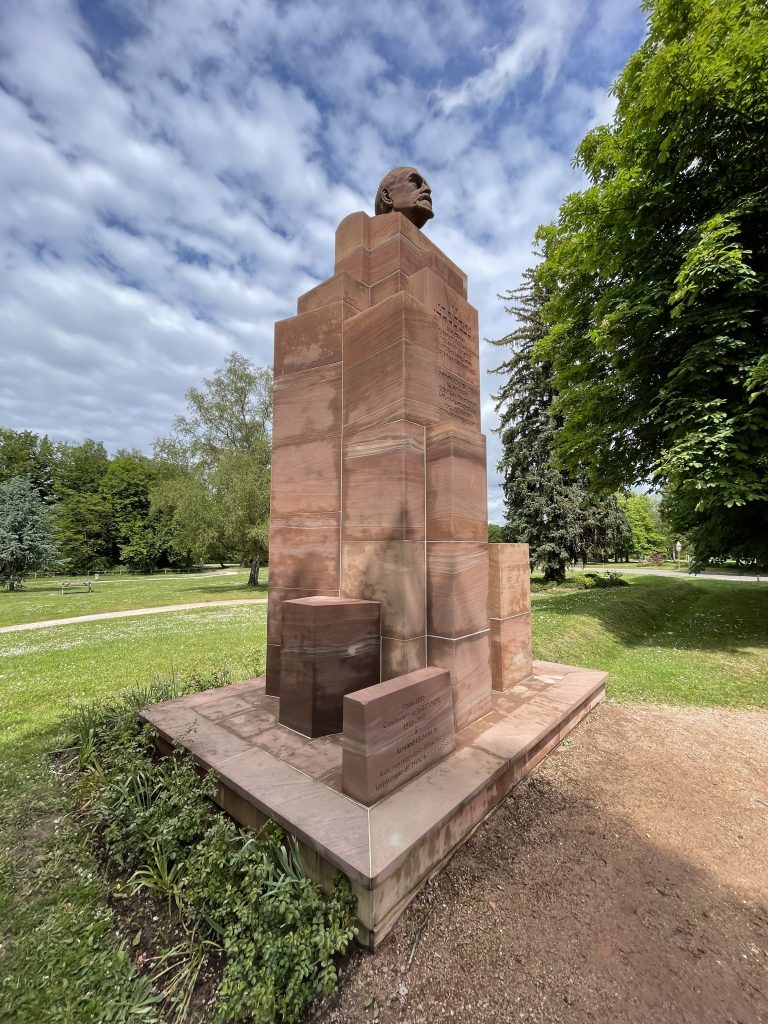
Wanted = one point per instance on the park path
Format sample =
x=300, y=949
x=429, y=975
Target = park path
x=729, y=577
x=626, y=881
x=133, y=611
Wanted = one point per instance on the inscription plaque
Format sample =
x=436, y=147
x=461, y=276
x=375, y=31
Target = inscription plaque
x=458, y=398
x=394, y=730
x=455, y=340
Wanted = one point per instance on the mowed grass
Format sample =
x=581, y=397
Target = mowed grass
x=42, y=599
x=61, y=958
x=667, y=640
x=663, y=640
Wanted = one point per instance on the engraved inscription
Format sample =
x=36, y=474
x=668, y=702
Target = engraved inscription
x=455, y=341
x=458, y=398
x=394, y=730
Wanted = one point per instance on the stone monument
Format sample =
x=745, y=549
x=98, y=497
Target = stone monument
x=401, y=702
x=379, y=466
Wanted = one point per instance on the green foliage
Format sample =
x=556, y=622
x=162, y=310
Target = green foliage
x=495, y=534
x=26, y=532
x=657, y=278
x=547, y=508
x=242, y=894
x=597, y=580
x=644, y=523
x=25, y=454
x=214, y=482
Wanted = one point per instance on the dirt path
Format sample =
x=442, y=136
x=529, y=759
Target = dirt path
x=133, y=611
x=625, y=882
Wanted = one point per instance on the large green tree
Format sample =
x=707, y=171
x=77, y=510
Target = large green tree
x=546, y=507
x=26, y=531
x=657, y=276
x=26, y=454
x=214, y=468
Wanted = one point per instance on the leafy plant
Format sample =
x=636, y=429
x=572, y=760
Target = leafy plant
x=241, y=893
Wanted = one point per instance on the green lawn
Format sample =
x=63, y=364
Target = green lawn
x=663, y=640
x=42, y=599
x=60, y=957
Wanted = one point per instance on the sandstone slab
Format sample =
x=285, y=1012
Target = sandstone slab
x=395, y=730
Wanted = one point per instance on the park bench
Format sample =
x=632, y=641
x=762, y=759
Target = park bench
x=83, y=586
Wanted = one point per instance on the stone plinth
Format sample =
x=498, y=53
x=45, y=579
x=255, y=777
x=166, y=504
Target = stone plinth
x=388, y=850
x=510, y=614
x=330, y=647
x=395, y=730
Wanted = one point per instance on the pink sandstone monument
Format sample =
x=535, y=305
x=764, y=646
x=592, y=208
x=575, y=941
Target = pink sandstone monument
x=401, y=702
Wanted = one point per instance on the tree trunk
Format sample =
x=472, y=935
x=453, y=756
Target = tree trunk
x=253, y=579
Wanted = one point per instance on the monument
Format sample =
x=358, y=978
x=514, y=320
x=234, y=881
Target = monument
x=401, y=701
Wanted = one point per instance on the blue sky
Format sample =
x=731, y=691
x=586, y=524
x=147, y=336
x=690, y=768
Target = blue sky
x=172, y=173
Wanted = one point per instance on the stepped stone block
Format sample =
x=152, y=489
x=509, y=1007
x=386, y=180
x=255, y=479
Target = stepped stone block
x=353, y=233
x=457, y=588
x=391, y=572
x=272, y=688
x=388, y=286
x=456, y=483
x=511, y=654
x=344, y=288
x=394, y=320
x=309, y=339
x=383, y=472
x=509, y=580
x=469, y=662
x=330, y=648
x=304, y=552
x=395, y=730
x=308, y=404
x=306, y=476
x=396, y=253
x=398, y=657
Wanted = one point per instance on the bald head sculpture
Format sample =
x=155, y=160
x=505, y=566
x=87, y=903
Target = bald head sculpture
x=405, y=191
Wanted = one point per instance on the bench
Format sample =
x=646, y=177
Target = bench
x=83, y=586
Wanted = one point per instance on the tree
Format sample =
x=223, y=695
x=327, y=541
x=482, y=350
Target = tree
x=26, y=454
x=657, y=277
x=26, y=532
x=214, y=468
x=646, y=538
x=547, y=508
x=81, y=512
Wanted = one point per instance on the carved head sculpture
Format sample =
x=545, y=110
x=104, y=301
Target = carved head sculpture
x=405, y=191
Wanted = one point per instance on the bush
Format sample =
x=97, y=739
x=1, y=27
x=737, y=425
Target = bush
x=605, y=579
x=239, y=894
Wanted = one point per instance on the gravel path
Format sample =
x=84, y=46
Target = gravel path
x=133, y=611
x=625, y=882
x=678, y=574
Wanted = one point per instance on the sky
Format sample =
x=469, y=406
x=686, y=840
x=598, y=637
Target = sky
x=172, y=173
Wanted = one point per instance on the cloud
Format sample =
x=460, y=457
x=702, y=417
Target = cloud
x=173, y=173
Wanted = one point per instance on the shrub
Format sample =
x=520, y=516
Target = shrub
x=242, y=894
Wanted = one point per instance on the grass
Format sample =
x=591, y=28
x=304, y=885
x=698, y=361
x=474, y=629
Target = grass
x=42, y=599
x=663, y=640
x=61, y=959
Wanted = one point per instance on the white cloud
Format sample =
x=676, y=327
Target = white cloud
x=172, y=178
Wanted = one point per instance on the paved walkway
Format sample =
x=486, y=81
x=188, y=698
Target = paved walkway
x=133, y=611
x=730, y=577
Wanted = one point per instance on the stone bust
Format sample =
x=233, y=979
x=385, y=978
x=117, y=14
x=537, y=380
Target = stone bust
x=404, y=190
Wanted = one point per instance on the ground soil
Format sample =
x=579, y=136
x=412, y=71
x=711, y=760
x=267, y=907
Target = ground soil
x=626, y=882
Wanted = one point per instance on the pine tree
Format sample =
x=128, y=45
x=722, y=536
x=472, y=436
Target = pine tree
x=546, y=508
x=26, y=531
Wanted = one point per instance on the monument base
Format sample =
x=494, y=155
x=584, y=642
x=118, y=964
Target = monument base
x=391, y=849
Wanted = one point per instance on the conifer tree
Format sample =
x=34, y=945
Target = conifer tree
x=545, y=507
